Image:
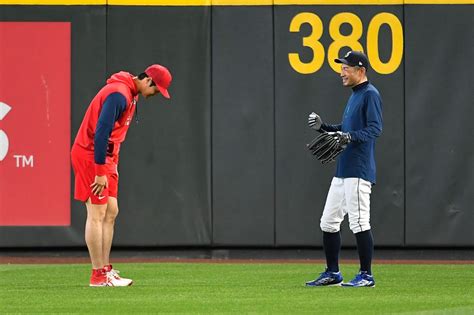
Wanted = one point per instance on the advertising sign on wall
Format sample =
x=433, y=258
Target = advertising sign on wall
x=35, y=72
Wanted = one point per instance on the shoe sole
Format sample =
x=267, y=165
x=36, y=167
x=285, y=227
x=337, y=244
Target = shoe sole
x=105, y=285
x=123, y=285
x=325, y=285
x=362, y=286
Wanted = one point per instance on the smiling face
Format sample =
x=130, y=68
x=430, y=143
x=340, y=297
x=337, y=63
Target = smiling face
x=352, y=76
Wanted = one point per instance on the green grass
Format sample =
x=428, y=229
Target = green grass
x=236, y=288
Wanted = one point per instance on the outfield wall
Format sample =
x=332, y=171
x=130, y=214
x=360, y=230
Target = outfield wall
x=223, y=163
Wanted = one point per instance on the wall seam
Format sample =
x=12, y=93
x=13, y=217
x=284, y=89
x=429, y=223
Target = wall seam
x=274, y=134
x=211, y=156
x=404, y=136
x=106, y=32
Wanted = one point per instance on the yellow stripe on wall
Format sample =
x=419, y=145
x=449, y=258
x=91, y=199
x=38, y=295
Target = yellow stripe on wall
x=191, y=2
x=160, y=2
x=53, y=2
x=228, y=2
x=242, y=2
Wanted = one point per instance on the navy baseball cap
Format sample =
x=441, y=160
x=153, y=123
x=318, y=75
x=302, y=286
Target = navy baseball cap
x=354, y=58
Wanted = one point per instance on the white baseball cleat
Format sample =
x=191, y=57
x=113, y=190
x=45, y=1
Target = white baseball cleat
x=115, y=279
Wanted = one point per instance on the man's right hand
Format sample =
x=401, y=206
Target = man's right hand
x=314, y=121
x=99, y=184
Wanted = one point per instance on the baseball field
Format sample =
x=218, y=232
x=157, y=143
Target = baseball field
x=233, y=287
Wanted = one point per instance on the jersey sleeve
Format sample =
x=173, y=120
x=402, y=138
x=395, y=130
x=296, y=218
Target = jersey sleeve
x=373, y=127
x=331, y=128
x=113, y=107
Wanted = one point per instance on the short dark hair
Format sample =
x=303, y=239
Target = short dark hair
x=358, y=67
x=143, y=75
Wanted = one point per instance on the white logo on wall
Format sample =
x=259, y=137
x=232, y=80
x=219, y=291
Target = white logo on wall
x=21, y=160
x=4, y=109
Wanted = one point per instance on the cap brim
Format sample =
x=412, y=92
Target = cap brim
x=164, y=92
x=341, y=60
x=344, y=61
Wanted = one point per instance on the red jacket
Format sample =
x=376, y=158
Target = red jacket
x=121, y=82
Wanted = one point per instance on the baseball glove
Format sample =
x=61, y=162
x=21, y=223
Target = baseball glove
x=327, y=146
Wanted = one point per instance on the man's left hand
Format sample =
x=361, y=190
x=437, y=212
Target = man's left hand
x=99, y=184
x=343, y=138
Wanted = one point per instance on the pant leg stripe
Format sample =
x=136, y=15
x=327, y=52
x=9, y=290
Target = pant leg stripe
x=358, y=202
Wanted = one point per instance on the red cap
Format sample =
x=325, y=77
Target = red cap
x=161, y=76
